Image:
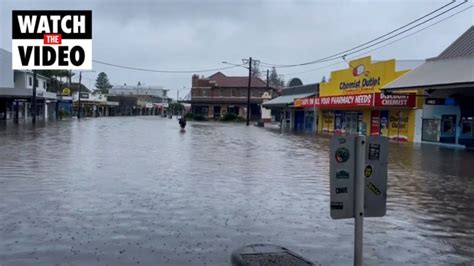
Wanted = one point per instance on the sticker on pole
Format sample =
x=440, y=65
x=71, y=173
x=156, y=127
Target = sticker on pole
x=341, y=171
x=375, y=172
x=52, y=39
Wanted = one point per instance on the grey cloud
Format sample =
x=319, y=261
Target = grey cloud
x=190, y=34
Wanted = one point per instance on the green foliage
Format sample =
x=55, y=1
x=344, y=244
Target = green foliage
x=195, y=117
x=232, y=117
x=256, y=72
x=189, y=116
x=177, y=108
x=199, y=118
x=276, y=80
x=102, y=83
x=63, y=114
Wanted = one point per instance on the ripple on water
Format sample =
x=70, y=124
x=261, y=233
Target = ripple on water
x=132, y=190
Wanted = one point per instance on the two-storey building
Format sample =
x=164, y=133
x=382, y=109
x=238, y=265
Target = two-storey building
x=16, y=91
x=218, y=94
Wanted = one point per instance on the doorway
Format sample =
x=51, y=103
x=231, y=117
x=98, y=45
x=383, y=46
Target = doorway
x=352, y=123
x=448, y=129
x=217, y=112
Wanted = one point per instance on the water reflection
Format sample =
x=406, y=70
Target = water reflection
x=134, y=190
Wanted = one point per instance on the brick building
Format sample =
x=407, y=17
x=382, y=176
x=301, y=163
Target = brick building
x=218, y=94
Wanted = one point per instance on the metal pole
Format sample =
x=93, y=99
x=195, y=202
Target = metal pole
x=359, y=201
x=79, y=109
x=33, y=99
x=268, y=79
x=16, y=112
x=248, y=91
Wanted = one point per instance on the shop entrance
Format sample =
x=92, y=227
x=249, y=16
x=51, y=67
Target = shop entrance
x=217, y=112
x=299, y=121
x=448, y=129
x=352, y=123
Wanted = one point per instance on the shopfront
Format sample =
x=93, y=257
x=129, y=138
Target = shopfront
x=352, y=103
x=304, y=114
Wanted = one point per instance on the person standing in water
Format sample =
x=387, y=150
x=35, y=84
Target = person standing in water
x=182, y=122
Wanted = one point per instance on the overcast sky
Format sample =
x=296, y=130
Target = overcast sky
x=192, y=35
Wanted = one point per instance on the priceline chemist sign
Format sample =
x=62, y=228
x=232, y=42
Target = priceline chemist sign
x=52, y=39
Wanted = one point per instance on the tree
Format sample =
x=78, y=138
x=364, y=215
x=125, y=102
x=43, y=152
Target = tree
x=276, y=80
x=256, y=72
x=102, y=83
x=54, y=85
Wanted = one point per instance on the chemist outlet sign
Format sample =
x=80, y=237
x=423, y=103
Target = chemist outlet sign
x=52, y=39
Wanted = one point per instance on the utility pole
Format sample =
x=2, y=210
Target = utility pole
x=268, y=79
x=248, y=91
x=79, y=109
x=33, y=99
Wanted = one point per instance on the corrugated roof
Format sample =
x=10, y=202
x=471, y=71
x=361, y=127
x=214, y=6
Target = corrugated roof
x=462, y=46
x=285, y=100
x=456, y=70
x=308, y=88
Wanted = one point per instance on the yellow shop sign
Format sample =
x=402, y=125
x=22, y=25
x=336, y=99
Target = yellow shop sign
x=362, y=76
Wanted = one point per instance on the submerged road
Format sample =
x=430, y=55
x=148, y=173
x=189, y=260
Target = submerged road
x=134, y=190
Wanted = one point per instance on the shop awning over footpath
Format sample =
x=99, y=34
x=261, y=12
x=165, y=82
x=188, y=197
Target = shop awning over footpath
x=16, y=93
x=452, y=69
x=450, y=73
x=285, y=100
x=358, y=100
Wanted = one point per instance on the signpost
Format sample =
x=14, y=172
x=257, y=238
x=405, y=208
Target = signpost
x=358, y=182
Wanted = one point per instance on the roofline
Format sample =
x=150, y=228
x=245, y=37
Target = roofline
x=457, y=39
x=433, y=86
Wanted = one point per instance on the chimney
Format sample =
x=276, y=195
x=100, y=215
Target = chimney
x=195, y=80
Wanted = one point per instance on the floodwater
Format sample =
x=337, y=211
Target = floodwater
x=134, y=190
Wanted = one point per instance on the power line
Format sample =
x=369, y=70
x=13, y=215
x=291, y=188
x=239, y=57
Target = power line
x=163, y=71
x=387, y=44
x=344, y=53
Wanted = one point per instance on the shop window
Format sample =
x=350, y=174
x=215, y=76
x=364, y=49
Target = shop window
x=467, y=128
x=233, y=110
x=430, y=130
x=200, y=110
x=448, y=123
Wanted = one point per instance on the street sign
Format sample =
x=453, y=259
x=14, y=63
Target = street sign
x=342, y=174
x=358, y=182
x=66, y=92
x=375, y=172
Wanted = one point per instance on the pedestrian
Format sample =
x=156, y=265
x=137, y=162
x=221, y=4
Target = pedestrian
x=182, y=122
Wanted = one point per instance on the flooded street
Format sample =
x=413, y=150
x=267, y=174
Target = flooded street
x=134, y=190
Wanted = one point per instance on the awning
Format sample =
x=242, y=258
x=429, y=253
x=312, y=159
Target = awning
x=285, y=100
x=454, y=72
x=26, y=93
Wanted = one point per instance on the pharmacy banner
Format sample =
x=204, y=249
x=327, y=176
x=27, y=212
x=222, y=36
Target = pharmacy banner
x=395, y=100
x=358, y=100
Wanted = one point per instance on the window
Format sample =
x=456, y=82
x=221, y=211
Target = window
x=30, y=81
x=467, y=128
x=44, y=85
